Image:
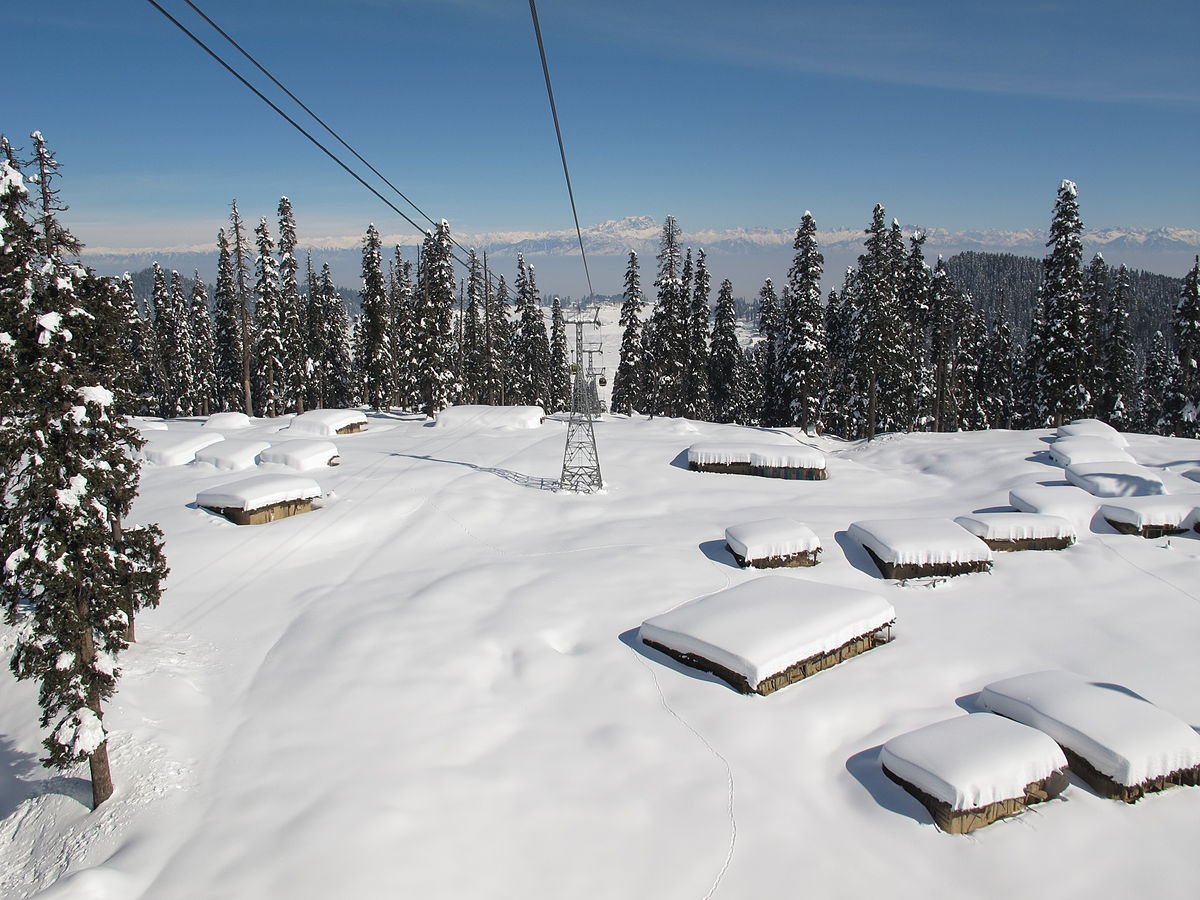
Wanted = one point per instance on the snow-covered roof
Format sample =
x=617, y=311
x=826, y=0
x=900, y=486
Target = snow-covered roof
x=232, y=454
x=171, y=448
x=1193, y=474
x=228, y=421
x=972, y=761
x=1016, y=526
x=721, y=452
x=258, y=491
x=300, y=454
x=482, y=416
x=787, y=456
x=143, y=424
x=919, y=541
x=1170, y=510
x=1069, y=451
x=1115, y=479
x=1064, y=500
x=771, y=537
x=326, y=422
x=1093, y=428
x=759, y=628
x=1122, y=736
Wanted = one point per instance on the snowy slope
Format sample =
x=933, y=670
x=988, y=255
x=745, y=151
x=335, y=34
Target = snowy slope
x=431, y=686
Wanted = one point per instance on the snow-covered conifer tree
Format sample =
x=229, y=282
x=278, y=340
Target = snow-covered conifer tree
x=228, y=335
x=804, y=355
x=292, y=327
x=531, y=356
x=268, y=326
x=725, y=363
x=697, y=399
x=203, y=362
x=1118, y=392
x=377, y=368
x=560, y=376
x=627, y=381
x=1187, y=346
x=434, y=323
x=239, y=261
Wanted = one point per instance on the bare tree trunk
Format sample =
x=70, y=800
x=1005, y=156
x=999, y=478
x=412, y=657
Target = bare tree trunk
x=102, y=783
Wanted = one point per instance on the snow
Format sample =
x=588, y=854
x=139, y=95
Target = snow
x=258, y=491
x=301, y=455
x=1122, y=735
x=919, y=541
x=1065, y=500
x=780, y=536
x=1172, y=510
x=759, y=628
x=232, y=454
x=142, y=424
x=326, y=422
x=434, y=687
x=479, y=416
x=1092, y=428
x=1193, y=474
x=972, y=761
x=1070, y=451
x=1016, y=526
x=1115, y=479
x=101, y=396
x=708, y=453
x=790, y=457
x=228, y=421
x=175, y=448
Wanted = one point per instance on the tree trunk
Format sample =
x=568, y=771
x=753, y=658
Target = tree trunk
x=102, y=783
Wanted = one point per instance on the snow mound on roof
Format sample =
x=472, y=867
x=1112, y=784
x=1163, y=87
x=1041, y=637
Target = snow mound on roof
x=1016, y=526
x=709, y=453
x=1070, y=451
x=919, y=541
x=258, y=491
x=972, y=761
x=1115, y=479
x=1093, y=428
x=326, y=422
x=147, y=424
x=166, y=448
x=771, y=537
x=1065, y=500
x=480, y=416
x=228, y=421
x=232, y=454
x=300, y=454
x=759, y=628
x=787, y=457
x=1124, y=737
x=1171, y=510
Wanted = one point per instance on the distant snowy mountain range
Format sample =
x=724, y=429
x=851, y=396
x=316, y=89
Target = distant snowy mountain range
x=735, y=253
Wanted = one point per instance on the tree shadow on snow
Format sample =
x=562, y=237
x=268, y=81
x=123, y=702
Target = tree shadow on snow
x=856, y=555
x=718, y=552
x=517, y=478
x=19, y=781
x=631, y=640
x=864, y=768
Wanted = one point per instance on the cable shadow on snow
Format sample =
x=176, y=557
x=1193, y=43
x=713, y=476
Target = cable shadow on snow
x=631, y=640
x=864, y=768
x=718, y=552
x=517, y=478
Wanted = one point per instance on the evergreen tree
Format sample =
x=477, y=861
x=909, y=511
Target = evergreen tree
x=878, y=351
x=725, y=363
x=665, y=347
x=228, y=334
x=400, y=294
x=560, y=375
x=377, y=366
x=17, y=238
x=293, y=335
x=141, y=353
x=497, y=341
x=1187, y=344
x=433, y=323
x=474, y=351
x=916, y=391
x=1096, y=301
x=173, y=332
x=697, y=391
x=1158, y=381
x=531, y=359
x=804, y=356
x=751, y=388
x=1059, y=380
x=268, y=326
x=239, y=261
x=996, y=376
x=770, y=326
x=203, y=356
x=73, y=576
x=626, y=396
x=842, y=401
x=333, y=374
x=1118, y=391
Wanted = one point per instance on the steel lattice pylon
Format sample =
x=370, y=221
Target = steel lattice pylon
x=581, y=461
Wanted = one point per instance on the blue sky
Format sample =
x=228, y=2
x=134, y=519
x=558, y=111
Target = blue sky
x=960, y=115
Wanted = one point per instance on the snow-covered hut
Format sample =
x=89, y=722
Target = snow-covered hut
x=232, y=454
x=1008, y=531
x=1121, y=745
x=1152, y=517
x=328, y=422
x=730, y=457
x=1092, y=428
x=1065, y=500
x=482, y=416
x=767, y=633
x=261, y=498
x=971, y=770
x=773, y=544
x=227, y=421
x=917, y=548
x=796, y=463
x=171, y=448
x=301, y=454
x=1115, y=479
x=1070, y=451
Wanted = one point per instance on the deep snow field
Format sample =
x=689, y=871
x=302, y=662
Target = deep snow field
x=431, y=686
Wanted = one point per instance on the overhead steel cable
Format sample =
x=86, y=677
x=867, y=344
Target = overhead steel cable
x=537, y=29
x=203, y=46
